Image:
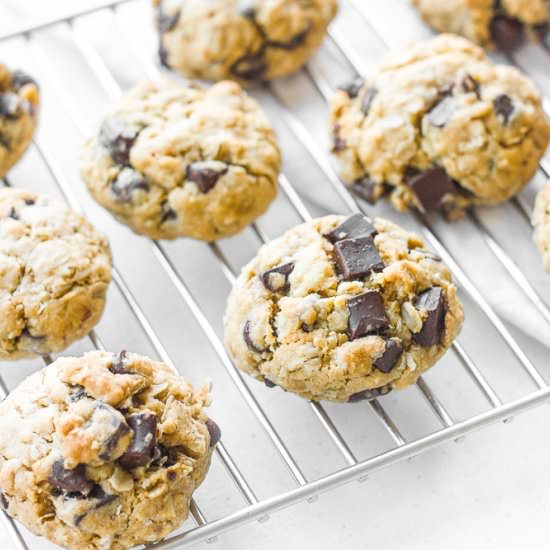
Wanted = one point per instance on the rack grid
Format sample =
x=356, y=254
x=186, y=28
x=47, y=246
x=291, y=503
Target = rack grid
x=450, y=427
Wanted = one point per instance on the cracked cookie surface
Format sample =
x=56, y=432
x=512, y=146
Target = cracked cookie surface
x=175, y=160
x=502, y=23
x=244, y=40
x=18, y=115
x=55, y=268
x=103, y=451
x=439, y=127
x=342, y=309
x=541, y=223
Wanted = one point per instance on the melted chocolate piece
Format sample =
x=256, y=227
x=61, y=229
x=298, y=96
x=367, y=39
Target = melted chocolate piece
x=357, y=258
x=118, y=137
x=167, y=213
x=78, y=394
x=430, y=187
x=442, y=112
x=205, y=177
x=120, y=365
x=352, y=88
x=366, y=314
x=470, y=84
x=10, y=105
x=70, y=481
x=126, y=183
x=503, y=107
x=120, y=429
x=368, y=98
x=507, y=33
x=354, y=227
x=367, y=395
x=432, y=304
x=250, y=67
x=387, y=361
x=141, y=450
x=269, y=383
x=248, y=340
x=102, y=498
x=214, y=431
x=20, y=79
x=291, y=44
x=276, y=279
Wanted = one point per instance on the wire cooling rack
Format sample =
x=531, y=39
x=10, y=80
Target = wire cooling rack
x=167, y=298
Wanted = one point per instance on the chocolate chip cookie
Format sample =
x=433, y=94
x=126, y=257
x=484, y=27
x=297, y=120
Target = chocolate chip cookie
x=541, y=222
x=176, y=160
x=244, y=40
x=18, y=114
x=502, y=23
x=55, y=268
x=439, y=128
x=103, y=451
x=342, y=309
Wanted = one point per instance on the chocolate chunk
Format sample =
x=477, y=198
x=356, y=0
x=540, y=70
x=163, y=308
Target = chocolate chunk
x=291, y=44
x=4, y=503
x=367, y=395
x=442, y=112
x=120, y=429
x=247, y=9
x=204, y=175
x=507, y=32
x=214, y=431
x=250, y=67
x=10, y=105
x=354, y=227
x=430, y=187
x=77, y=394
x=366, y=314
x=165, y=457
x=248, y=339
x=118, y=137
x=20, y=79
x=368, y=98
x=269, y=383
x=369, y=190
x=167, y=213
x=163, y=55
x=120, y=365
x=432, y=306
x=338, y=144
x=70, y=481
x=126, y=183
x=141, y=450
x=276, y=279
x=470, y=84
x=30, y=202
x=503, y=107
x=100, y=498
x=387, y=361
x=352, y=88
x=166, y=22
x=357, y=258
x=13, y=214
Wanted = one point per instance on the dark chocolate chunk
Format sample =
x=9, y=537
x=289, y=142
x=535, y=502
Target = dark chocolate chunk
x=366, y=314
x=120, y=429
x=470, y=84
x=20, y=79
x=205, y=177
x=291, y=44
x=165, y=457
x=78, y=394
x=166, y=22
x=433, y=307
x=352, y=88
x=367, y=395
x=4, y=503
x=163, y=55
x=248, y=339
x=387, y=361
x=430, y=187
x=338, y=143
x=503, y=107
x=120, y=365
x=269, y=383
x=100, y=499
x=369, y=190
x=10, y=105
x=118, y=137
x=247, y=9
x=70, y=481
x=214, y=431
x=507, y=32
x=167, y=213
x=442, y=112
x=13, y=214
x=250, y=67
x=354, y=227
x=141, y=450
x=368, y=98
x=126, y=183
x=29, y=202
x=357, y=258
x=276, y=279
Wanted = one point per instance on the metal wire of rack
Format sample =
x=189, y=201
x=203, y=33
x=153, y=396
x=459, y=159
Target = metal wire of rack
x=304, y=489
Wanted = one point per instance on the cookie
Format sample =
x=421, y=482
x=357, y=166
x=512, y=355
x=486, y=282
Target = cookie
x=503, y=23
x=176, y=160
x=244, y=40
x=103, y=451
x=55, y=268
x=342, y=309
x=439, y=128
x=18, y=114
x=541, y=223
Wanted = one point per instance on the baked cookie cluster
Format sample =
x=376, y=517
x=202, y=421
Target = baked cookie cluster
x=439, y=128
x=342, y=309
